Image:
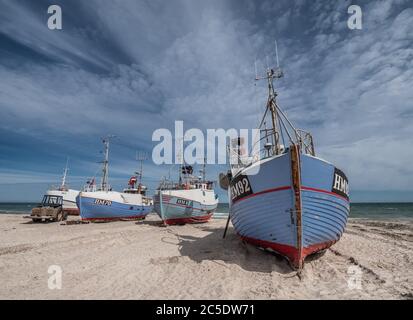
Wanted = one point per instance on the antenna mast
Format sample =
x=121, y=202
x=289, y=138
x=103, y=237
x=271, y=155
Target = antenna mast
x=276, y=54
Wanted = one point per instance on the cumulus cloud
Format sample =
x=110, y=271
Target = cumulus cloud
x=130, y=67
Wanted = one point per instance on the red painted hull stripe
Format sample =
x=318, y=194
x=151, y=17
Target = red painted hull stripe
x=178, y=205
x=324, y=191
x=288, y=188
x=74, y=212
x=290, y=252
x=189, y=220
x=119, y=218
x=317, y=247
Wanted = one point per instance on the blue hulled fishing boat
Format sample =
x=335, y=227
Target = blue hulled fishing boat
x=102, y=203
x=285, y=198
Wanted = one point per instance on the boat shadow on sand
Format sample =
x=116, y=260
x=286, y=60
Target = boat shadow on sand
x=231, y=250
x=152, y=223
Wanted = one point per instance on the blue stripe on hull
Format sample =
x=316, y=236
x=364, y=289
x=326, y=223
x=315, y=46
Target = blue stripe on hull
x=324, y=217
x=266, y=217
x=90, y=210
x=325, y=214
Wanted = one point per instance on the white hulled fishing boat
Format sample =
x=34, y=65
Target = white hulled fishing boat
x=69, y=195
x=191, y=200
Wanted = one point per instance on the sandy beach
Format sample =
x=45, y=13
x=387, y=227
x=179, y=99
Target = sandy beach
x=141, y=260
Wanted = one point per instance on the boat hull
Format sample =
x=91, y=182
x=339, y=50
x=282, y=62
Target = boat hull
x=178, y=209
x=294, y=215
x=106, y=206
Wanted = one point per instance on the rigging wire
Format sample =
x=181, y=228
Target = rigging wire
x=281, y=131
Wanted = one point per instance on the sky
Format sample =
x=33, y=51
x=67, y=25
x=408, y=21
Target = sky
x=129, y=67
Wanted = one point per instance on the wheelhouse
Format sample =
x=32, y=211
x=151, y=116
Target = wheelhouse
x=51, y=200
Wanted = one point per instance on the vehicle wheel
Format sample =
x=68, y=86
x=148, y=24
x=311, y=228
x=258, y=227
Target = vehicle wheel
x=65, y=216
x=59, y=217
x=36, y=220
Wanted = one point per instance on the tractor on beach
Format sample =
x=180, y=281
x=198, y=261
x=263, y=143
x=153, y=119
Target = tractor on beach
x=50, y=209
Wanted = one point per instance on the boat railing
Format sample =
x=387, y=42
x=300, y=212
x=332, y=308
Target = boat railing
x=167, y=185
x=263, y=150
x=190, y=184
x=90, y=188
x=238, y=161
x=305, y=141
x=302, y=138
x=267, y=150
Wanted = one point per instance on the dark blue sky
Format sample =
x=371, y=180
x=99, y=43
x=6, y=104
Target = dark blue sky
x=129, y=67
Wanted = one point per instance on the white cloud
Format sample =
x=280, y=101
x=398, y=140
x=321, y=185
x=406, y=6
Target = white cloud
x=195, y=62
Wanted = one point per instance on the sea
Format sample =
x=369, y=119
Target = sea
x=380, y=211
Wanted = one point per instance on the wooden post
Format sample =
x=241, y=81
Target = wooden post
x=296, y=178
x=226, y=226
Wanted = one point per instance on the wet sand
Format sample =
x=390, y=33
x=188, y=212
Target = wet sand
x=141, y=260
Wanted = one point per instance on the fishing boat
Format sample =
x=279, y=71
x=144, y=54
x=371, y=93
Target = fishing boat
x=191, y=200
x=284, y=198
x=68, y=195
x=103, y=204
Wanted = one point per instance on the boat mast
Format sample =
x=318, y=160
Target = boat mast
x=180, y=167
x=182, y=172
x=271, y=74
x=141, y=157
x=271, y=105
x=204, y=170
x=105, y=170
x=65, y=174
x=183, y=175
x=140, y=173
